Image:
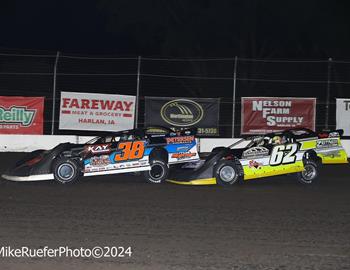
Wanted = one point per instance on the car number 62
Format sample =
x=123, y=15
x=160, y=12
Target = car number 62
x=283, y=154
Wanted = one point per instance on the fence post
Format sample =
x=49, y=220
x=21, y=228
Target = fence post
x=329, y=74
x=234, y=95
x=137, y=91
x=54, y=93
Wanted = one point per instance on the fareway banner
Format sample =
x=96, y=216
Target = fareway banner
x=21, y=115
x=268, y=114
x=92, y=111
x=343, y=115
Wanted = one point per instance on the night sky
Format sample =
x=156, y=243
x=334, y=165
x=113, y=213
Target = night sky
x=313, y=29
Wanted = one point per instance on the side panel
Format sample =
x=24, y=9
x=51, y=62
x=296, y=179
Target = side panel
x=129, y=155
x=329, y=150
x=182, y=149
x=281, y=159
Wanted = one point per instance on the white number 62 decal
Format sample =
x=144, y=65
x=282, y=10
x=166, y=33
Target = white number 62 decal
x=283, y=154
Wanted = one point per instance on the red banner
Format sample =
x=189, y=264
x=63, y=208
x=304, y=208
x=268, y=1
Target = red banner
x=21, y=115
x=268, y=114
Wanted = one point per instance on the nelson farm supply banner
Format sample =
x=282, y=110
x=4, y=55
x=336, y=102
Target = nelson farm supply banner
x=202, y=113
x=92, y=111
x=343, y=115
x=21, y=115
x=268, y=114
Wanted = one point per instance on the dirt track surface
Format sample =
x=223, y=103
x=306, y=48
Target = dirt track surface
x=262, y=224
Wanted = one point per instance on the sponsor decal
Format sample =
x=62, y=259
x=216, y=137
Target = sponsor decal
x=154, y=130
x=332, y=154
x=183, y=139
x=183, y=155
x=182, y=148
x=334, y=134
x=100, y=161
x=326, y=143
x=263, y=114
x=255, y=152
x=98, y=148
x=254, y=164
x=182, y=112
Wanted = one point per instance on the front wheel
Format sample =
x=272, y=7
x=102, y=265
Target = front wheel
x=226, y=173
x=66, y=171
x=158, y=172
x=309, y=174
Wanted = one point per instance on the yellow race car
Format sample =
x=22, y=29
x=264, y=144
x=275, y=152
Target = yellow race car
x=297, y=151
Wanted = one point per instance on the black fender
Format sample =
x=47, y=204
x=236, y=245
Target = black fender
x=312, y=155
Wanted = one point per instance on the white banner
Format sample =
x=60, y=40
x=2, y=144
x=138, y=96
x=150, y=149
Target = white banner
x=92, y=111
x=343, y=115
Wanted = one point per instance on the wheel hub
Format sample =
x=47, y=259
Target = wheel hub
x=309, y=172
x=65, y=171
x=227, y=173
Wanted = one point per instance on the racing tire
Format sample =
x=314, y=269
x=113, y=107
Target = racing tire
x=226, y=173
x=309, y=174
x=158, y=173
x=66, y=171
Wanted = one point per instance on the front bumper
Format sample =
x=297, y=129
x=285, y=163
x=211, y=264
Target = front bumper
x=38, y=177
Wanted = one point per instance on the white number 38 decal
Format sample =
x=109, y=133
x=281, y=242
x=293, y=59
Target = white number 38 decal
x=283, y=154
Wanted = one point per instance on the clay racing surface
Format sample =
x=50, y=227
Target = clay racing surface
x=263, y=224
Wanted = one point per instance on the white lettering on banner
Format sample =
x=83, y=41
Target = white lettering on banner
x=343, y=115
x=97, y=104
x=271, y=108
x=92, y=111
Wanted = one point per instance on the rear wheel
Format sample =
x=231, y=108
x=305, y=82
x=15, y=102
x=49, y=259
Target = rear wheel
x=158, y=173
x=66, y=171
x=309, y=174
x=226, y=173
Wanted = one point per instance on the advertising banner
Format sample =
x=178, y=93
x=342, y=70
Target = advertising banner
x=21, y=115
x=92, y=111
x=202, y=113
x=343, y=115
x=268, y=114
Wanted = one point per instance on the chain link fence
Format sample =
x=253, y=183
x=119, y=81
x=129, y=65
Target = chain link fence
x=227, y=78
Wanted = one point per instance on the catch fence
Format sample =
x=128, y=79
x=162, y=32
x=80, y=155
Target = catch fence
x=229, y=79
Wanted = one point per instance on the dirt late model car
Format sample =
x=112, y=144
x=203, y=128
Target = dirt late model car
x=293, y=151
x=151, y=150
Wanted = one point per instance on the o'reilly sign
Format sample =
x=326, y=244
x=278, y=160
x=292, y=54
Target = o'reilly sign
x=17, y=115
x=202, y=113
x=21, y=115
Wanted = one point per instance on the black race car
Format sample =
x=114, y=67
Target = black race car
x=151, y=150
